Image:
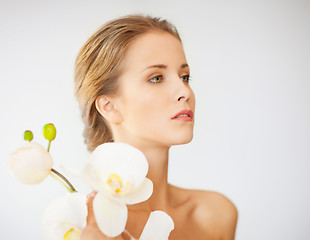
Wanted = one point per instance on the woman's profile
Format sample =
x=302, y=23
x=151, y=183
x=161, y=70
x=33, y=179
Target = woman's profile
x=132, y=85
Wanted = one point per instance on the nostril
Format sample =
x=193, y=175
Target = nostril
x=179, y=99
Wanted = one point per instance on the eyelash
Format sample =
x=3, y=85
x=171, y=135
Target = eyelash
x=159, y=77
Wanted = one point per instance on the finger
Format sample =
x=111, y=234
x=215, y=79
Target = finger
x=91, y=221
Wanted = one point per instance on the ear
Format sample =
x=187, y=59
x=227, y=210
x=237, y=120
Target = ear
x=108, y=110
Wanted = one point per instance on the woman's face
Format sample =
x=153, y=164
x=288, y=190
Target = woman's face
x=154, y=89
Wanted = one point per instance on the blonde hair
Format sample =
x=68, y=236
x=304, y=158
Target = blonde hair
x=98, y=66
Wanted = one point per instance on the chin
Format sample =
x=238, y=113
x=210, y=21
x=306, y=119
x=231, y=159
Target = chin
x=183, y=140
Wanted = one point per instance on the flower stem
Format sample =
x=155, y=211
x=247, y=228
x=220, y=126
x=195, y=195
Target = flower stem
x=49, y=146
x=64, y=181
x=131, y=237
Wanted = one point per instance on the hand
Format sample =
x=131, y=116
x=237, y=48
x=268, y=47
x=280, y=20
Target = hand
x=91, y=231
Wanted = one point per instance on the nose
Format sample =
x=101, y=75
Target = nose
x=183, y=92
x=182, y=97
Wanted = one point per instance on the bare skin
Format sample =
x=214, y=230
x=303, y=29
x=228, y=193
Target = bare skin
x=153, y=89
x=196, y=214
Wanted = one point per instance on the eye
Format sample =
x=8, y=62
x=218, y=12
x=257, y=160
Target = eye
x=156, y=79
x=185, y=78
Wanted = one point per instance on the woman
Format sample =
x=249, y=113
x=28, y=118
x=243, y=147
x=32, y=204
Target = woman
x=132, y=84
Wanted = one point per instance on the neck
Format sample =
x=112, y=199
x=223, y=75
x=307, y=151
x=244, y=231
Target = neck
x=157, y=157
x=158, y=173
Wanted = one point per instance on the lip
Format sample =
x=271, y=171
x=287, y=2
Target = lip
x=185, y=118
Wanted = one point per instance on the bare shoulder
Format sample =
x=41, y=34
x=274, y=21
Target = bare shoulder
x=213, y=213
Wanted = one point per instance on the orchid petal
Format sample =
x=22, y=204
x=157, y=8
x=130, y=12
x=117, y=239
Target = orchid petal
x=73, y=172
x=158, y=226
x=140, y=194
x=63, y=214
x=72, y=234
x=31, y=163
x=121, y=159
x=111, y=216
x=55, y=231
x=93, y=176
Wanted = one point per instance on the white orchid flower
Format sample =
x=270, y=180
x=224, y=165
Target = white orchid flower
x=31, y=163
x=65, y=217
x=118, y=172
x=158, y=227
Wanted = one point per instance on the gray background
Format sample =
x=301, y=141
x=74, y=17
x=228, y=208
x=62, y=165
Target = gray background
x=250, y=72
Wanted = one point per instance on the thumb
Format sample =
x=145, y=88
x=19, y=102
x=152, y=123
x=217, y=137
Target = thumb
x=91, y=221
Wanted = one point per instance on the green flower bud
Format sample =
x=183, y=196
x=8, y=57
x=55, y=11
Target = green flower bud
x=49, y=131
x=28, y=136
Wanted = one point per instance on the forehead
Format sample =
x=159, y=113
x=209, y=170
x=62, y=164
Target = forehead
x=155, y=47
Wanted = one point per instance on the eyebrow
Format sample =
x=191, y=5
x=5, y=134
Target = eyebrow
x=184, y=65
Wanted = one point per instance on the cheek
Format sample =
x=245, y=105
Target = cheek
x=147, y=109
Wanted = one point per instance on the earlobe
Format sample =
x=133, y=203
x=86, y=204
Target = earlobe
x=108, y=110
